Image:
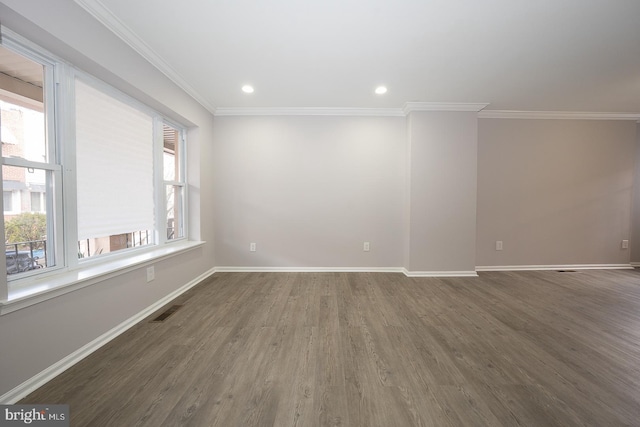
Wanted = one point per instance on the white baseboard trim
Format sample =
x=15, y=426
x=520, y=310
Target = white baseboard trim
x=439, y=273
x=308, y=270
x=426, y=273
x=62, y=365
x=346, y=270
x=554, y=267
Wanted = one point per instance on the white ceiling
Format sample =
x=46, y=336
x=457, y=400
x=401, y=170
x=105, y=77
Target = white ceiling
x=542, y=55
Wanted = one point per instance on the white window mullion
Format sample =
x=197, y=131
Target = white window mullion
x=183, y=179
x=66, y=152
x=160, y=203
x=53, y=203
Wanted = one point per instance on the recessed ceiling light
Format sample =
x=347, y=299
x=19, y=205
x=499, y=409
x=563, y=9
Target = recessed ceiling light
x=247, y=89
x=381, y=90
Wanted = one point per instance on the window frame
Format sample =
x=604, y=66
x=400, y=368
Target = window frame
x=52, y=166
x=158, y=179
x=161, y=183
x=71, y=201
x=69, y=272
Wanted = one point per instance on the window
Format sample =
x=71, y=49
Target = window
x=30, y=171
x=124, y=168
x=37, y=201
x=7, y=198
x=174, y=183
x=119, y=203
x=114, y=160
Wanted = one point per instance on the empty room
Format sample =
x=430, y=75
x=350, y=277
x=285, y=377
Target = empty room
x=305, y=213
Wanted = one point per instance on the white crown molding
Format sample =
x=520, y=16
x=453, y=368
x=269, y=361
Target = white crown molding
x=442, y=106
x=422, y=107
x=331, y=111
x=554, y=267
x=99, y=11
x=309, y=111
x=557, y=115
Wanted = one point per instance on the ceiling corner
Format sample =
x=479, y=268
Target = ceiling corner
x=100, y=12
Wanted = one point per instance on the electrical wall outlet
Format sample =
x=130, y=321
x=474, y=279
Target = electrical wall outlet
x=366, y=247
x=252, y=247
x=498, y=245
x=151, y=273
x=625, y=244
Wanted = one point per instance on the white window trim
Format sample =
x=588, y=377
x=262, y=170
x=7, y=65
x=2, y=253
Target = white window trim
x=161, y=202
x=51, y=76
x=70, y=273
x=71, y=233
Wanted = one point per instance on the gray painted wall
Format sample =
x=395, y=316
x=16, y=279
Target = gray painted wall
x=309, y=191
x=635, y=211
x=37, y=337
x=554, y=191
x=442, y=194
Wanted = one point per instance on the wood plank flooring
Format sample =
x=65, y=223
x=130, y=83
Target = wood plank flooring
x=373, y=349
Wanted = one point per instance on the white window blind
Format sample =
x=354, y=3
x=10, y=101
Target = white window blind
x=114, y=161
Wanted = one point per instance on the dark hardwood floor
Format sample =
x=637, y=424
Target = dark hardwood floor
x=373, y=349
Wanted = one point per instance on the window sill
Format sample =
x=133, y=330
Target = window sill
x=52, y=286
